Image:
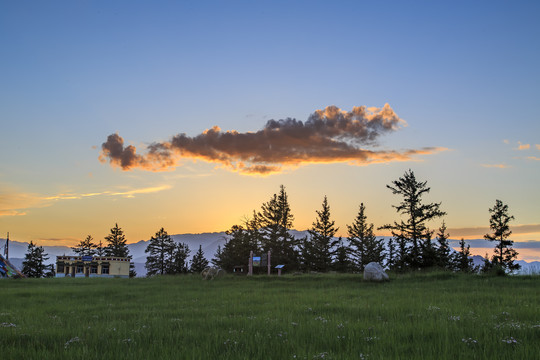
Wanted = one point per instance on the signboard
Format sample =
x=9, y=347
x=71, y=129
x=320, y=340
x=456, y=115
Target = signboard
x=256, y=261
x=87, y=258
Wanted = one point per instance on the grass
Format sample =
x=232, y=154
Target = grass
x=428, y=316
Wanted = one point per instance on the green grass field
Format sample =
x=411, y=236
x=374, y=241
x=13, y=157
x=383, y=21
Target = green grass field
x=429, y=316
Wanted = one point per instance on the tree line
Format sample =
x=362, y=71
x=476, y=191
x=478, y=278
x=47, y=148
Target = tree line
x=411, y=246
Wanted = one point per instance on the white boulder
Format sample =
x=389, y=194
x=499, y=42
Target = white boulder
x=374, y=272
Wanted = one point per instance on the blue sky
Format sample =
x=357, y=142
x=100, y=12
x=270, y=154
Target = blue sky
x=463, y=75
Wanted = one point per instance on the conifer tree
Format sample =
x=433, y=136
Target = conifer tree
x=413, y=229
x=179, y=259
x=159, y=250
x=321, y=236
x=116, y=243
x=443, y=248
x=342, y=263
x=274, y=222
x=34, y=261
x=499, y=224
x=85, y=247
x=391, y=254
x=462, y=259
x=199, y=262
x=217, y=260
x=429, y=253
x=242, y=240
x=117, y=247
x=365, y=247
x=100, y=250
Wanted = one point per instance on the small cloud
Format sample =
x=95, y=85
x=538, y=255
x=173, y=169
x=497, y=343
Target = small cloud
x=537, y=146
x=506, y=141
x=498, y=166
x=12, y=203
x=533, y=158
x=522, y=146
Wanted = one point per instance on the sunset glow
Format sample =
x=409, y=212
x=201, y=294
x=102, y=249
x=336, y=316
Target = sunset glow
x=188, y=116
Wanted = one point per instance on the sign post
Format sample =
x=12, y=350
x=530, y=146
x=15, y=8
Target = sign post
x=250, y=263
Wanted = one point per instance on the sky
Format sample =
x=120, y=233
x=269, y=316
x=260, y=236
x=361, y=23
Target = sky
x=188, y=115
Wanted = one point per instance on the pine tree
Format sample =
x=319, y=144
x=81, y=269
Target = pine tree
x=159, y=251
x=242, y=240
x=342, y=263
x=85, y=247
x=100, y=250
x=34, y=261
x=462, y=259
x=499, y=224
x=443, y=248
x=116, y=243
x=391, y=254
x=199, y=262
x=429, y=253
x=117, y=247
x=179, y=259
x=413, y=230
x=274, y=222
x=217, y=260
x=365, y=247
x=321, y=236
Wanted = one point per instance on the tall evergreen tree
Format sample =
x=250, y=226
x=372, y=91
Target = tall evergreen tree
x=462, y=259
x=274, y=222
x=414, y=228
x=85, y=247
x=199, y=262
x=499, y=224
x=100, y=250
x=116, y=243
x=429, y=253
x=391, y=254
x=179, y=259
x=159, y=250
x=365, y=247
x=117, y=247
x=217, y=260
x=443, y=248
x=34, y=261
x=321, y=236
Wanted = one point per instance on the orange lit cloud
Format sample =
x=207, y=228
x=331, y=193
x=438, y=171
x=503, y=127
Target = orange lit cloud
x=12, y=203
x=480, y=231
x=533, y=158
x=498, y=166
x=522, y=146
x=537, y=146
x=330, y=135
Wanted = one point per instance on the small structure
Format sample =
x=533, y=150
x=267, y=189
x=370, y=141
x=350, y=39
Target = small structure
x=7, y=270
x=92, y=266
x=279, y=267
x=374, y=272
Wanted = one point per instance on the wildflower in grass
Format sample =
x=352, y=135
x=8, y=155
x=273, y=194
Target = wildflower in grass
x=510, y=340
x=469, y=341
x=340, y=326
x=341, y=337
x=294, y=324
x=127, y=341
x=5, y=324
x=433, y=308
x=371, y=338
x=71, y=341
x=454, y=318
x=323, y=355
x=362, y=356
x=321, y=319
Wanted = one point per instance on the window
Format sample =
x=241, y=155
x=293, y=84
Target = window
x=79, y=269
x=104, y=269
x=60, y=268
x=93, y=269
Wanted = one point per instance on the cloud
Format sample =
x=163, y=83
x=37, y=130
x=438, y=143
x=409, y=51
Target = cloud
x=480, y=231
x=533, y=158
x=328, y=136
x=537, y=146
x=11, y=203
x=522, y=146
x=498, y=166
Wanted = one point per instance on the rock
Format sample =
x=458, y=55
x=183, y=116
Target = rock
x=209, y=273
x=374, y=272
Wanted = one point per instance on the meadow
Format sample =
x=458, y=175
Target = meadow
x=415, y=316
